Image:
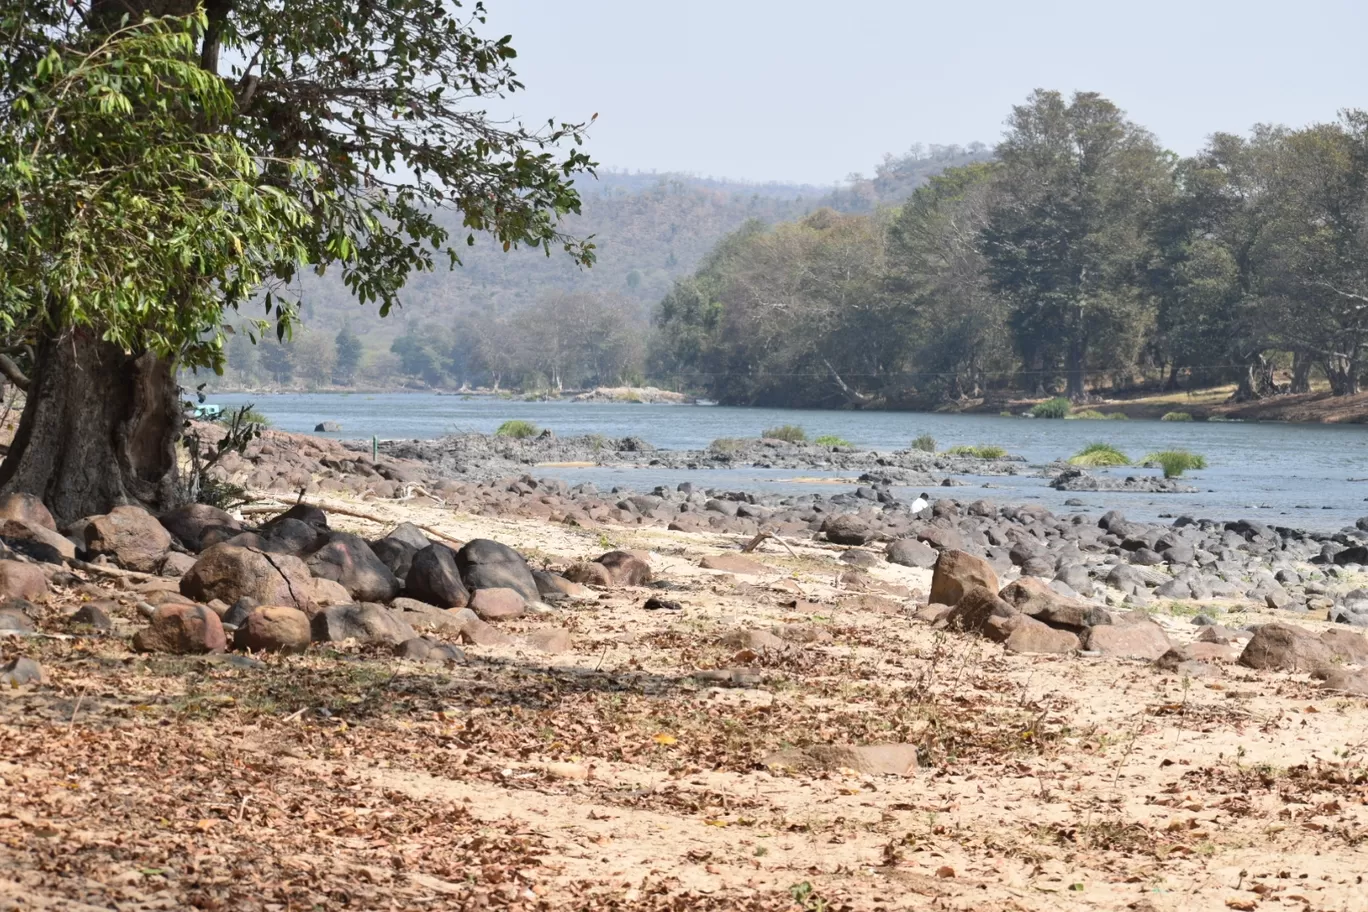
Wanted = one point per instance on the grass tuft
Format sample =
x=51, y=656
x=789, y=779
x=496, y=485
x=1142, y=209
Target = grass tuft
x=1174, y=462
x=789, y=433
x=924, y=442
x=1176, y=416
x=727, y=445
x=831, y=440
x=1099, y=455
x=517, y=429
x=982, y=451
x=1058, y=407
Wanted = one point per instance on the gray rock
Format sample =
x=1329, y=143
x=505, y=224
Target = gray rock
x=348, y=560
x=487, y=564
x=368, y=623
x=909, y=552
x=435, y=578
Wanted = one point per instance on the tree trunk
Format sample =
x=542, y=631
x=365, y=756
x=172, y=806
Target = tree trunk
x=1301, y=372
x=99, y=429
x=1256, y=379
x=1075, y=390
x=1171, y=384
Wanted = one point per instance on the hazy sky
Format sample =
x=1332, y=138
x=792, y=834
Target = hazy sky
x=796, y=90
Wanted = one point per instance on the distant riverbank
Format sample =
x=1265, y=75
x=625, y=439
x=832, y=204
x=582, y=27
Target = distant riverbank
x=1201, y=405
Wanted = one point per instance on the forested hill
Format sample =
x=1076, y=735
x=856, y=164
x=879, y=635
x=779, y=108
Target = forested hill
x=649, y=229
x=471, y=324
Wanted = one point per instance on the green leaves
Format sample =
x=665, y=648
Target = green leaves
x=129, y=215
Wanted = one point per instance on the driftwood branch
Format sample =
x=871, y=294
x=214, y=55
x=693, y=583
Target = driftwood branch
x=762, y=537
x=263, y=509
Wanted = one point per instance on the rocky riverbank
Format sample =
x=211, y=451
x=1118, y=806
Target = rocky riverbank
x=511, y=693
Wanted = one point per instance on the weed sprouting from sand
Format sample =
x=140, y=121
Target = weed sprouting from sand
x=831, y=440
x=1176, y=416
x=924, y=442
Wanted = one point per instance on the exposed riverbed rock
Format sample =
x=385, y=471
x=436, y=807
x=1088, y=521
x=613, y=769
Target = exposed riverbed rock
x=229, y=572
x=957, y=572
x=182, y=629
x=131, y=536
x=487, y=564
x=1076, y=479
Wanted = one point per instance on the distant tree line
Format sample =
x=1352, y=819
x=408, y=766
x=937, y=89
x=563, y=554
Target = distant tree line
x=563, y=341
x=1082, y=256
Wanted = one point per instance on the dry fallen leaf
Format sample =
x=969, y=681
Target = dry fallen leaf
x=945, y=871
x=666, y=739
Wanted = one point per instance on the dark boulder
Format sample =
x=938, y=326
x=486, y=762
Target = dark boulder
x=346, y=559
x=487, y=564
x=435, y=578
x=395, y=554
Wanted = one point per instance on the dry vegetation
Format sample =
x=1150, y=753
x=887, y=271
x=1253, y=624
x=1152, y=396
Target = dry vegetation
x=630, y=772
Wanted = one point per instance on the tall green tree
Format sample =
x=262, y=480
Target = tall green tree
x=1068, y=236
x=272, y=134
x=956, y=323
x=349, y=352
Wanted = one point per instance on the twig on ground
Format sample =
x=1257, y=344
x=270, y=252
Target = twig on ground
x=761, y=537
x=330, y=507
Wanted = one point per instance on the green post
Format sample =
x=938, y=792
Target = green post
x=375, y=448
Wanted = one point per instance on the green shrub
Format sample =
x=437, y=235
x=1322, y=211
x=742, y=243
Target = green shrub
x=789, y=433
x=1088, y=415
x=1176, y=416
x=1058, y=407
x=517, y=429
x=982, y=451
x=831, y=440
x=245, y=415
x=924, y=442
x=1004, y=414
x=1116, y=416
x=1174, y=462
x=727, y=444
x=1099, y=455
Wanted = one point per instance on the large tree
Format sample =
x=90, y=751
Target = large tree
x=1068, y=234
x=246, y=140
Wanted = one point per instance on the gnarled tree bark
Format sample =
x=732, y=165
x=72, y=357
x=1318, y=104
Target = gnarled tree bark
x=99, y=429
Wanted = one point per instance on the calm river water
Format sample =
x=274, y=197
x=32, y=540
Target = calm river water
x=1287, y=474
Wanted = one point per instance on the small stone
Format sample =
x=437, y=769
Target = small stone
x=275, y=628
x=497, y=604
x=660, y=604
x=182, y=629
x=92, y=614
x=21, y=581
x=21, y=671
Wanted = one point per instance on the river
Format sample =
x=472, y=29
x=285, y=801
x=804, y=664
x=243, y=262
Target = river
x=1288, y=474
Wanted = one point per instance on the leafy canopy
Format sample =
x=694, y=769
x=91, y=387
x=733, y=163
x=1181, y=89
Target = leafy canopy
x=121, y=208
x=317, y=133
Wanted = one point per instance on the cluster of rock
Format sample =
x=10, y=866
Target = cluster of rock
x=1190, y=559
x=484, y=457
x=280, y=461
x=291, y=582
x=1029, y=616
x=1072, y=478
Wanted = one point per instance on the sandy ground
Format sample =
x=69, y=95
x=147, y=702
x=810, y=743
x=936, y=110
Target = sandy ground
x=615, y=776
